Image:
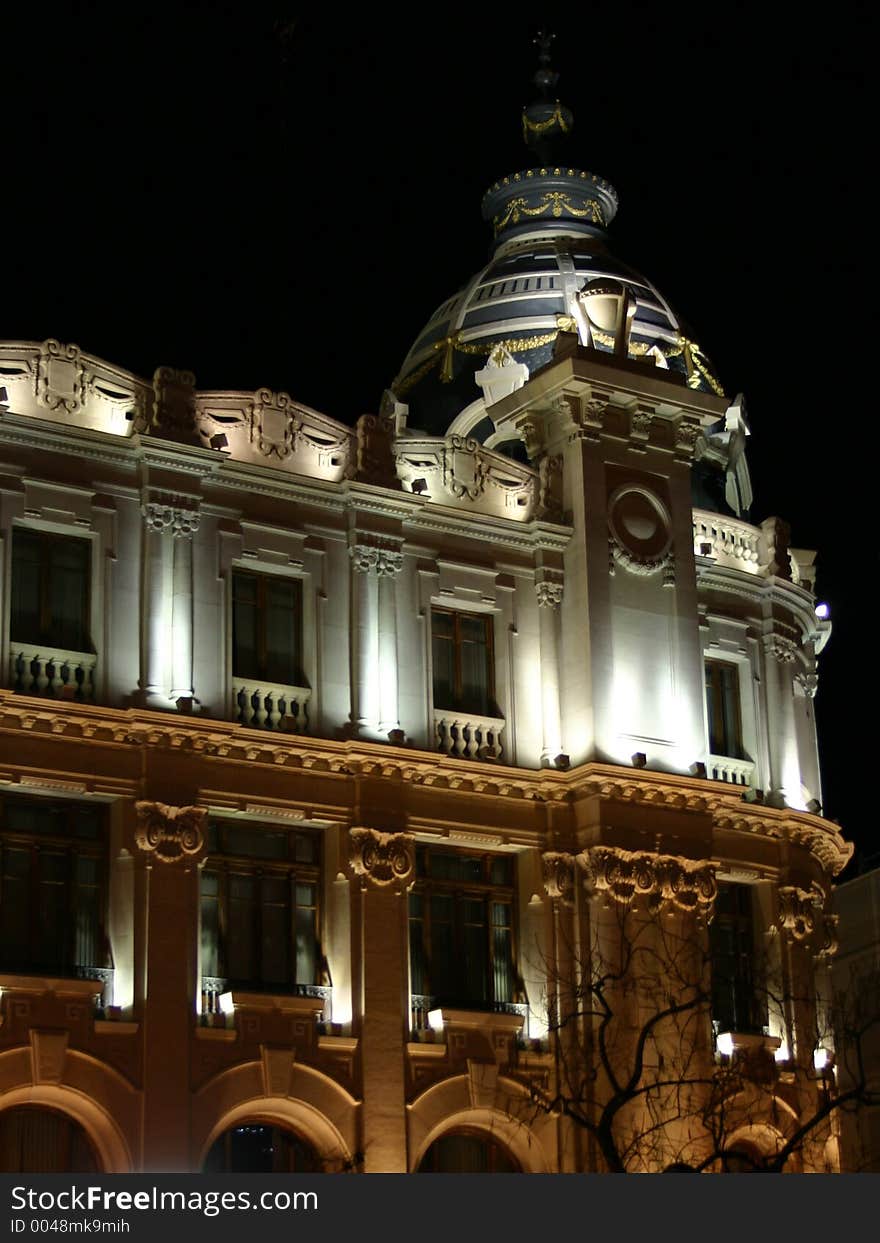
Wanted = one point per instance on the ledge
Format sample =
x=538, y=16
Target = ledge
x=114, y=1027
x=428, y=1051
x=60, y=985
x=224, y=1034
x=338, y=1044
x=285, y=1002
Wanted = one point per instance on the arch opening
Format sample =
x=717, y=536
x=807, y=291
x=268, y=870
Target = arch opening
x=36, y=1140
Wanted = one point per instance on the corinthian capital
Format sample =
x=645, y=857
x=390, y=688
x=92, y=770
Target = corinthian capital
x=559, y=874
x=625, y=875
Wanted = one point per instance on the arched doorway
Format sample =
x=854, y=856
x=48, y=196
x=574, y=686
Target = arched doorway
x=467, y=1152
x=34, y=1140
x=260, y=1148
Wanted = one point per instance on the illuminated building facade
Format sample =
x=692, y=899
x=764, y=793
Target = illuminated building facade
x=327, y=752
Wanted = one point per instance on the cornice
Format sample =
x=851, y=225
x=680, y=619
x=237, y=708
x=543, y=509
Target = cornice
x=226, y=741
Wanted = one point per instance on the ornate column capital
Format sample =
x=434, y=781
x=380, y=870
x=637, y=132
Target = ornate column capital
x=800, y=912
x=181, y=522
x=377, y=559
x=170, y=834
x=549, y=593
x=559, y=875
x=382, y=858
x=625, y=875
x=780, y=649
x=389, y=562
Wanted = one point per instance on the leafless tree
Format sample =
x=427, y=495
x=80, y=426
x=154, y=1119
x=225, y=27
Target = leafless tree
x=637, y=1070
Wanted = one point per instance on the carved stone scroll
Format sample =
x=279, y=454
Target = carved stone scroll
x=382, y=858
x=170, y=833
x=559, y=874
x=625, y=875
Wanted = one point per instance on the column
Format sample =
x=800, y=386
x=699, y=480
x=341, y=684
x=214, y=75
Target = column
x=186, y=523
x=157, y=560
x=549, y=595
x=780, y=655
x=169, y=842
x=389, y=566
x=365, y=640
x=385, y=864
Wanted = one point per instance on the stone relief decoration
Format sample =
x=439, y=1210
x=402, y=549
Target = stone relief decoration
x=169, y=834
x=559, y=876
x=375, y=451
x=61, y=377
x=173, y=403
x=801, y=913
x=626, y=875
x=275, y=424
x=459, y=471
x=61, y=384
x=808, y=682
x=382, y=858
x=181, y=522
x=780, y=649
x=549, y=593
x=686, y=437
x=271, y=429
x=640, y=532
x=376, y=559
x=550, y=496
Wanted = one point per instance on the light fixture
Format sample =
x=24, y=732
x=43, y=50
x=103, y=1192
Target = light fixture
x=753, y=795
x=815, y=807
x=821, y=1058
x=724, y=1044
x=639, y=759
x=823, y=611
x=562, y=762
x=698, y=769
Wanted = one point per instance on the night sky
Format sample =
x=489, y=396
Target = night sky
x=273, y=196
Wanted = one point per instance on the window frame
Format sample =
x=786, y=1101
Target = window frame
x=72, y=847
x=741, y=992
x=458, y=705
x=48, y=540
x=225, y=863
x=489, y=892
x=712, y=668
x=262, y=577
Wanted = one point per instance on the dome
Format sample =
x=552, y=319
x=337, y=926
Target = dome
x=550, y=271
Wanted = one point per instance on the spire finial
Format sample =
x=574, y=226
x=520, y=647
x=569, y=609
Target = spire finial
x=546, y=122
x=545, y=78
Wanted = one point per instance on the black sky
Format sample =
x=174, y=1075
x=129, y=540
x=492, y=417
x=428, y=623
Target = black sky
x=280, y=195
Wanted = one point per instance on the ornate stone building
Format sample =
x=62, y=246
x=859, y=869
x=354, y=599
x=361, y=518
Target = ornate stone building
x=333, y=762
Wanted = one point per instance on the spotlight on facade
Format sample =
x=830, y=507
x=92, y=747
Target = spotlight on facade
x=562, y=762
x=724, y=1044
x=698, y=769
x=4, y=397
x=218, y=441
x=781, y=1054
x=639, y=759
x=823, y=612
x=815, y=807
x=821, y=1058
x=753, y=795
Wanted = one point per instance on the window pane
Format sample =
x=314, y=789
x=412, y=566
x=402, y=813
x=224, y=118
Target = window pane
x=306, y=934
x=443, y=659
x=68, y=594
x=241, y=944
x=282, y=656
x=25, y=612
x=210, y=930
x=502, y=951
x=87, y=913
x=245, y=640
x=52, y=948
x=474, y=656
x=15, y=933
x=275, y=930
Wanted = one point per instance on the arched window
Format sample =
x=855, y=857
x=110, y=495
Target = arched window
x=258, y=1148
x=462, y=1152
x=40, y=1141
x=743, y=1158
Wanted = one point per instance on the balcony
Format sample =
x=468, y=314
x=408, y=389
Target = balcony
x=458, y=1011
x=52, y=672
x=467, y=736
x=220, y=1000
x=732, y=543
x=269, y=705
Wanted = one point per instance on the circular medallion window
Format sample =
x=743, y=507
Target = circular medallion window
x=639, y=527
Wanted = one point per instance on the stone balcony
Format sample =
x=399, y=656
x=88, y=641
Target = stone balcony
x=269, y=705
x=464, y=735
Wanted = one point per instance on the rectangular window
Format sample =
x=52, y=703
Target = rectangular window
x=259, y=907
x=267, y=628
x=461, y=928
x=53, y=868
x=736, y=1003
x=50, y=590
x=463, y=660
x=723, y=709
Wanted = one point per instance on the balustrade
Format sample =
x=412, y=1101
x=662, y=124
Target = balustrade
x=268, y=705
x=728, y=540
x=735, y=772
x=466, y=736
x=52, y=672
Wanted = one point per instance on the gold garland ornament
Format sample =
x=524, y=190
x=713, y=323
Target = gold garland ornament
x=554, y=203
x=541, y=127
x=445, y=348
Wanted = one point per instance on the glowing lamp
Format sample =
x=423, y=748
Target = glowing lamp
x=823, y=612
x=724, y=1044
